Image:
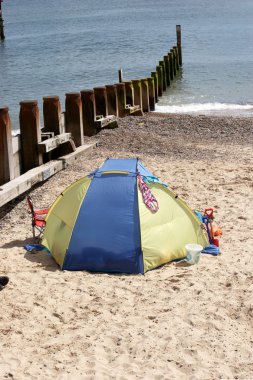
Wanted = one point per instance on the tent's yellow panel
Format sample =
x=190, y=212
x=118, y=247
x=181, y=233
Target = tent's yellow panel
x=61, y=219
x=165, y=233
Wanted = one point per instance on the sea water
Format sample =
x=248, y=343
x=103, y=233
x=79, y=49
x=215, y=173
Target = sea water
x=54, y=47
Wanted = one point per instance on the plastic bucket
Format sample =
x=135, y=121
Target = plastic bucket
x=193, y=253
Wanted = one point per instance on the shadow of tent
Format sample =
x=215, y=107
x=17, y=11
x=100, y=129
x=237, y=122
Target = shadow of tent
x=43, y=258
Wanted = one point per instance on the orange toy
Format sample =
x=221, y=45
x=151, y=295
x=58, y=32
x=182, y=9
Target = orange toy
x=215, y=231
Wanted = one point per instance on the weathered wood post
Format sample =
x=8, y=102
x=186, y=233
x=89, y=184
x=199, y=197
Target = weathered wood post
x=30, y=133
x=167, y=68
x=174, y=62
x=112, y=100
x=6, y=152
x=176, y=57
x=171, y=62
x=101, y=101
x=145, y=95
x=129, y=93
x=151, y=93
x=154, y=75
x=120, y=73
x=162, y=64
x=2, y=36
x=137, y=93
x=159, y=71
x=88, y=112
x=73, y=117
x=179, y=47
x=121, y=99
x=52, y=115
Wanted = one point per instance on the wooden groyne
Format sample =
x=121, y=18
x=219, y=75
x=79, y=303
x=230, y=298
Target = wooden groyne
x=37, y=153
x=2, y=36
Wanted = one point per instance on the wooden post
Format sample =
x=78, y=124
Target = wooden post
x=30, y=133
x=129, y=93
x=162, y=63
x=174, y=62
x=73, y=117
x=137, y=93
x=171, y=62
x=120, y=73
x=2, y=36
x=178, y=30
x=151, y=93
x=159, y=71
x=176, y=57
x=111, y=94
x=52, y=114
x=6, y=151
x=121, y=99
x=154, y=75
x=145, y=95
x=101, y=101
x=167, y=68
x=88, y=112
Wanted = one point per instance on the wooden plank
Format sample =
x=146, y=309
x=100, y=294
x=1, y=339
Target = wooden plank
x=72, y=157
x=102, y=122
x=23, y=183
x=133, y=110
x=16, y=163
x=52, y=143
x=16, y=144
x=20, y=185
x=16, y=147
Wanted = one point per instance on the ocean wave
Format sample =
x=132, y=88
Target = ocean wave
x=205, y=107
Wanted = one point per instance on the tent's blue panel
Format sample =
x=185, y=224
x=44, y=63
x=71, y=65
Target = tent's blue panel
x=143, y=171
x=124, y=164
x=106, y=236
x=119, y=164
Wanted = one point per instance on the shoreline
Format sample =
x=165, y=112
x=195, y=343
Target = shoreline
x=208, y=109
x=192, y=322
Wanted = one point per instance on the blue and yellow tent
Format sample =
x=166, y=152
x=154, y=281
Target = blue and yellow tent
x=100, y=223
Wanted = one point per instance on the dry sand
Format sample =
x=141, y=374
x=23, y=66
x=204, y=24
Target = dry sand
x=172, y=323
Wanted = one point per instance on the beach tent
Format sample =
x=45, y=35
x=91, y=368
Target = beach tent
x=101, y=223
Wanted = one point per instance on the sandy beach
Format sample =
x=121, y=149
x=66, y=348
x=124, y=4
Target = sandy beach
x=172, y=323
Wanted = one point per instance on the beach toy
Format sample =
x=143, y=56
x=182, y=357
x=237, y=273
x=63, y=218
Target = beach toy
x=211, y=249
x=193, y=253
x=212, y=230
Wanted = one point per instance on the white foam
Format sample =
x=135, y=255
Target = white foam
x=220, y=108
